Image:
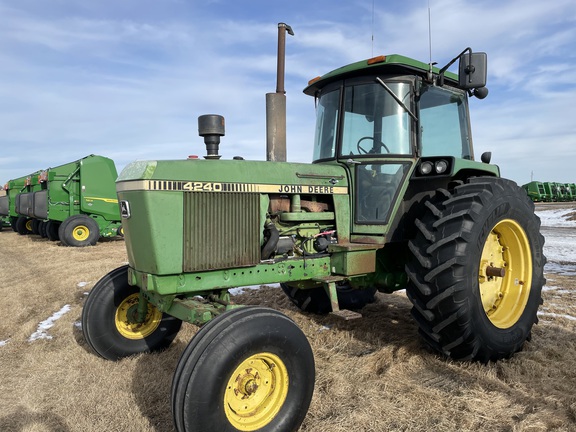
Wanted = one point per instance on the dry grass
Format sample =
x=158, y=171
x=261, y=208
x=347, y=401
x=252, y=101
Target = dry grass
x=372, y=374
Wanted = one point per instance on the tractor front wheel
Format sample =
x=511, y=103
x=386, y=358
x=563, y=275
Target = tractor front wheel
x=109, y=320
x=253, y=367
x=477, y=270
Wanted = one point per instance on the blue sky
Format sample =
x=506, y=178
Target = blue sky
x=127, y=79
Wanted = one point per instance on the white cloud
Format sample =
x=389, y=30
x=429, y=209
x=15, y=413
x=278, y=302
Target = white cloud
x=130, y=86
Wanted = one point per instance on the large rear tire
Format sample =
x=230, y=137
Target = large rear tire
x=316, y=300
x=253, y=367
x=108, y=322
x=477, y=270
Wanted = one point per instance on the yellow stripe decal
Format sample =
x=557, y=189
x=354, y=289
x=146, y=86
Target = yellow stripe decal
x=199, y=186
x=108, y=200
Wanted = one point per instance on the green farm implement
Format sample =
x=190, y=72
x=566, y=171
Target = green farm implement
x=75, y=203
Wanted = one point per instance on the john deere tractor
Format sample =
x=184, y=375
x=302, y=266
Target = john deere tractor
x=393, y=199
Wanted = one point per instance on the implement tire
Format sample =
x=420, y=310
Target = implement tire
x=477, y=270
x=79, y=231
x=107, y=325
x=23, y=225
x=249, y=369
x=52, y=230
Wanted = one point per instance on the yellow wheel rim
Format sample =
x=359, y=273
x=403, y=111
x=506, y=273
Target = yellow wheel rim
x=256, y=391
x=126, y=323
x=29, y=225
x=81, y=232
x=505, y=275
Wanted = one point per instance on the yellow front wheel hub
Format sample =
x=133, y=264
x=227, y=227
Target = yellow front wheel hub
x=256, y=391
x=125, y=319
x=81, y=232
x=505, y=275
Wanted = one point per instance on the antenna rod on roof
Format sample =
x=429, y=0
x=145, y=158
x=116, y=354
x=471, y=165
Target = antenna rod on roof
x=429, y=75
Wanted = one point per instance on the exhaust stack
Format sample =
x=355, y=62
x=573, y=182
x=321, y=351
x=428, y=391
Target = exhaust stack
x=276, y=104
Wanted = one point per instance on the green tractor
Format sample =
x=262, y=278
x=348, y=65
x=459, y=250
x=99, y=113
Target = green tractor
x=394, y=199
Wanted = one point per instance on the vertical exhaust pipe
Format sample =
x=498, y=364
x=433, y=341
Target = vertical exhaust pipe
x=276, y=104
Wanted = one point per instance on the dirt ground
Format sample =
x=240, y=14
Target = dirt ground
x=373, y=374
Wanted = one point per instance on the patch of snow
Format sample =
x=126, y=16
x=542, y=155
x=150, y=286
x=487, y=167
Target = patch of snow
x=82, y=284
x=78, y=324
x=42, y=333
x=555, y=218
x=559, y=268
x=4, y=342
x=555, y=315
x=240, y=290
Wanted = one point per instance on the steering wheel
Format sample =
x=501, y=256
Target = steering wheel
x=362, y=150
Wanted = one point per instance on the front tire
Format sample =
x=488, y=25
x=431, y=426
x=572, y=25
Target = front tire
x=108, y=321
x=477, y=270
x=253, y=367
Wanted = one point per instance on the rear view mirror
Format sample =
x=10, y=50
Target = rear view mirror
x=472, y=71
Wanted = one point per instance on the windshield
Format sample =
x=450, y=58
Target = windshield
x=444, y=123
x=374, y=123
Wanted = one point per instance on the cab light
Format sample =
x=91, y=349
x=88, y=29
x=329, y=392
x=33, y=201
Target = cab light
x=441, y=166
x=313, y=80
x=426, y=168
x=374, y=60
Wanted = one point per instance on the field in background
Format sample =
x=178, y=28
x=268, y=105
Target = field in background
x=373, y=374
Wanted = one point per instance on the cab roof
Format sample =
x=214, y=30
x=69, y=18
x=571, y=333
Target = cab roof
x=389, y=64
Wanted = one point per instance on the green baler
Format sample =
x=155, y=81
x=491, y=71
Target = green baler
x=75, y=202
x=536, y=191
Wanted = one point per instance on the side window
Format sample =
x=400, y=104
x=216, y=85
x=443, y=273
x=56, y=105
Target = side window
x=444, y=123
x=326, y=124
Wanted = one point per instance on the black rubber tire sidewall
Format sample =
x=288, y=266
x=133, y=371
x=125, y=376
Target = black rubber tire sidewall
x=448, y=306
x=52, y=227
x=316, y=300
x=209, y=366
x=21, y=225
x=98, y=320
x=66, y=230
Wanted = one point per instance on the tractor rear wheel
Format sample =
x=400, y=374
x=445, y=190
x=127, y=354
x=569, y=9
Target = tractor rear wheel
x=79, y=231
x=316, y=300
x=477, y=270
x=109, y=320
x=252, y=366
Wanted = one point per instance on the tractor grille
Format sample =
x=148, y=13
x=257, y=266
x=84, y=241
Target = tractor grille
x=221, y=230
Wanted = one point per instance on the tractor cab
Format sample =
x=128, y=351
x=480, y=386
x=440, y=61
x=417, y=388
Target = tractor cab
x=384, y=118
